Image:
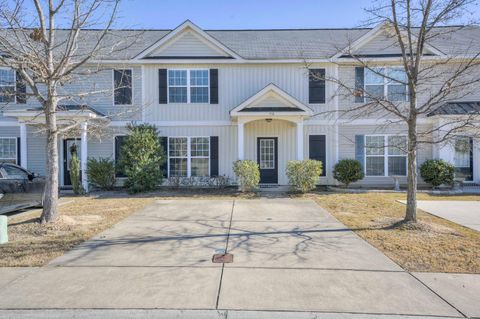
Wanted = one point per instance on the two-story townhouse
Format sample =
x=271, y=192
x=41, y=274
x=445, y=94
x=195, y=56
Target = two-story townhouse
x=221, y=95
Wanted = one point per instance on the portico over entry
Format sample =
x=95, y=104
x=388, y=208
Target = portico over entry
x=75, y=116
x=271, y=131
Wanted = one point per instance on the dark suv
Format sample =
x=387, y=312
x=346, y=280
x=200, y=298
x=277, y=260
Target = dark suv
x=19, y=188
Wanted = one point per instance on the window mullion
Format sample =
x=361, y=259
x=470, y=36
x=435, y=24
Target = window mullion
x=385, y=154
x=188, y=87
x=189, y=157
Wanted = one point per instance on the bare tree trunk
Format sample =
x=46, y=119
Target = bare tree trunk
x=51, y=188
x=411, y=211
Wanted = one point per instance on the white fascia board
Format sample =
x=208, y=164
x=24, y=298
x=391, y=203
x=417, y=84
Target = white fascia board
x=185, y=25
x=175, y=123
x=210, y=61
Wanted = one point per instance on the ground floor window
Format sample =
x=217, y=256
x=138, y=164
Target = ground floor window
x=385, y=155
x=188, y=156
x=463, y=157
x=8, y=149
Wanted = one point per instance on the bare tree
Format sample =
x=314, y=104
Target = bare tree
x=430, y=77
x=47, y=57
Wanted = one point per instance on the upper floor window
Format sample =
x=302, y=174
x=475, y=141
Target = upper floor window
x=385, y=83
x=8, y=149
x=122, y=87
x=385, y=155
x=7, y=85
x=188, y=86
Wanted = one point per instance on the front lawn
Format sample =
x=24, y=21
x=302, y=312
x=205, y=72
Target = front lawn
x=434, y=245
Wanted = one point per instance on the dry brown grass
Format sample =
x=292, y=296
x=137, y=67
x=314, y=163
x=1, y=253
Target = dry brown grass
x=432, y=245
x=33, y=244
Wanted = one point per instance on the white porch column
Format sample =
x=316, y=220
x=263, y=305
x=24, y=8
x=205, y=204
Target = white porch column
x=23, y=145
x=241, y=146
x=300, y=140
x=84, y=155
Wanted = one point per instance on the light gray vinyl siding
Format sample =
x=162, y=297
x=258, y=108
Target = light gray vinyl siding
x=236, y=83
x=37, y=150
x=187, y=44
x=383, y=43
x=9, y=131
x=94, y=87
x=347, y=148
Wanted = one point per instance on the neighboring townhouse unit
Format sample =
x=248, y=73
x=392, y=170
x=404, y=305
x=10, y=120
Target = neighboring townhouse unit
x=222, y=95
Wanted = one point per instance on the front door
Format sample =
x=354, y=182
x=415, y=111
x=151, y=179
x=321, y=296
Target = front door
x=67, y=155
x=267, y=158
x=464, y=158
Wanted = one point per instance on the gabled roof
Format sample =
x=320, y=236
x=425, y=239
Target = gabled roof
x=277, y=44
x=380, y=29
x=279, y=102
x=457, y=108
x=177, y=32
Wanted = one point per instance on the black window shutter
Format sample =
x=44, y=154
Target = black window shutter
x=316, y=86
x=213, y=156
x=359, y=84
x=360, y=149
x=19, y=155
x=318, y=151
x=213, y=86
x=162, y=86
x=119, y=140
x=21, y=90
x=164, y=144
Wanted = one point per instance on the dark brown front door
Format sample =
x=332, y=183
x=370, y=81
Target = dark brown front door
x=267, y=158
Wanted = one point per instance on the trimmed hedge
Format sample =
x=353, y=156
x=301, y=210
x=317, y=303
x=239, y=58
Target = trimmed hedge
x=348, y=171
x=101, y=173
x=437, y=172
x=303, y=175
x=248, y=174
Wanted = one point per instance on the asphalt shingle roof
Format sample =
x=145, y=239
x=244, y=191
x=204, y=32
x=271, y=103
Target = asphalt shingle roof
x=270, y=44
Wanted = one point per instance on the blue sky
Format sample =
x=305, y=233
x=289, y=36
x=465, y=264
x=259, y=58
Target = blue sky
x=242, y=14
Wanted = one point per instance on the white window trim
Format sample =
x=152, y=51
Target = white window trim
x=14, y=86
x=2, y=159
x=385, y=84
x=385, y=155
x=188, y=86
x=113, y=86
x=189, y=154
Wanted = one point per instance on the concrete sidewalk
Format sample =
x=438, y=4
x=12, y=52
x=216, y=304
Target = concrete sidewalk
x=289, y=256
x=465, y=213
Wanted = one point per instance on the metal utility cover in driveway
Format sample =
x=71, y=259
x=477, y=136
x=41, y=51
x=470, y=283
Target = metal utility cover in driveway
x=290, y=255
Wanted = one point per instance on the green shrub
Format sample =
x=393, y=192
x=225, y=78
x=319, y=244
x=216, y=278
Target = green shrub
x=437, y=172
x=248, y=174
x=101, y=172
x=348, y=171
x=304, y=175
x=75, y=171
x=141, y=158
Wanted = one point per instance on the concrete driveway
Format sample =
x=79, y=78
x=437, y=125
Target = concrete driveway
x=289, y=255
x=465, y=213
